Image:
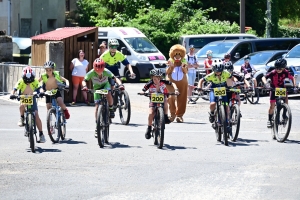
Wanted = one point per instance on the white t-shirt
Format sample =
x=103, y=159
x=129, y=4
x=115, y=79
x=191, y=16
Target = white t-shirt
x=79, y=67
x=191, y=59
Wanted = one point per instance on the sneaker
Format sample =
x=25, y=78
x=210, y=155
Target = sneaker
x=211, y=117
x=42, y=139
x=67, y=114
x=172, y=118
x=148, y=133
x=96, y=136
x=21, y=122
x=269, y=124
x=192, y=102
x=245, y=102
x=87, y=103
x=111, y=113
x=167, y=120
x=241, y=114
x=72, y=104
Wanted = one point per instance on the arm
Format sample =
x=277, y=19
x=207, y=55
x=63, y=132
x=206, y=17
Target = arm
x=118, y=81
x=83, y=83
x=229, y=82
x=200, y=83
x=71, y=66
x=65, y=80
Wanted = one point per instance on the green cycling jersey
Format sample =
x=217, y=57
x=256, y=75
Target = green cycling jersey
x=98, y=82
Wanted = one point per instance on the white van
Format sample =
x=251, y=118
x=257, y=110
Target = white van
x=141, y=53
x=200, y=41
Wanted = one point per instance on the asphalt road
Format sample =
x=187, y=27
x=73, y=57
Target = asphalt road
x=192, y=164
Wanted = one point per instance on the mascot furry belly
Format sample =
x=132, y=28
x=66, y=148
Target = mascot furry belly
x=176, y=73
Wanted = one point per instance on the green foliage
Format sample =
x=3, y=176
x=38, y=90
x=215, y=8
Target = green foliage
x=286, y=31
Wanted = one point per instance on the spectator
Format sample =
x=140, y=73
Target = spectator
x=79, y=68
x=192, y=66
x=102, y=48
x=208, y=62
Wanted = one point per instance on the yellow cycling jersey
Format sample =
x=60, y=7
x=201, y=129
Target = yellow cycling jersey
x=112, y=60
x=214, y=79
x=21, y=85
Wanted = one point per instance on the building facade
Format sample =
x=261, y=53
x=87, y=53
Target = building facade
x=26, y=18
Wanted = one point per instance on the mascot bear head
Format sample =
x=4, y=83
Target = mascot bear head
x=177, y=54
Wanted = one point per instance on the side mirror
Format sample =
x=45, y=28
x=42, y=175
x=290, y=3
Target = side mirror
x=237, y=55
x=125, y=51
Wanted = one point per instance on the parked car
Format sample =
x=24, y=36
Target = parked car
x=239, y=48
x=259, y=60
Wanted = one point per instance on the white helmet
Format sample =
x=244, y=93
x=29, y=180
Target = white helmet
x=113, y=42
x=209, y=52
x=217, y=66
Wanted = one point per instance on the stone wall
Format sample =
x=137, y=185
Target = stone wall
x=6, y=48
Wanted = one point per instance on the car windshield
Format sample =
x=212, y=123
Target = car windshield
x=218, y=49
x=256, y=58
x=141, y=45
x=294, y=52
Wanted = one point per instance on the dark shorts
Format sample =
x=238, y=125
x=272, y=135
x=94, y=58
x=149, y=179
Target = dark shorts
x=273, y=97
x=212, y=97
x=48, y=99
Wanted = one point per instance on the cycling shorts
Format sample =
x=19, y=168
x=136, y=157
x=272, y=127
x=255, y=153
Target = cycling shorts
x=272, y=96
x=212, y=97
x=48, y=99
x=97, y=96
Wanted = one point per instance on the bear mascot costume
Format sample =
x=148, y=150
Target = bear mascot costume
x=176, y=73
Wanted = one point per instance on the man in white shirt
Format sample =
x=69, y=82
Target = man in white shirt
x=192, y=66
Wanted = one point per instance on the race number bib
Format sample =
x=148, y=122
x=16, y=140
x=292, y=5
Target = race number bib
x=235, y=90
x=103, y=91
x=51, y=92
x=220, y=91
x=27, y=100
x=280, y=92
x=157, y=98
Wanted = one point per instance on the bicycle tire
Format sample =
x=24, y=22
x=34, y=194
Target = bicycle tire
x=253, y=99
x=278, y=123
x=51, y=127
x=223, y=125
x=217, y=128
x=235, y=122
x=124, y=105
x=160, y=131
x=272, y=123
x=30, y=122
x=106, y=131
x=63, y=128
x=100, y=126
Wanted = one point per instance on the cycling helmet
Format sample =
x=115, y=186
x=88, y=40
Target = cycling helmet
x=49, y=64
x=28, y=75
x=228, y=66
x=227, y=56
x=247, y=57
x=99, y=65
x=280, y=63
x=217, y=66
x=209, y=52
x=113, y=42
x=156, y=72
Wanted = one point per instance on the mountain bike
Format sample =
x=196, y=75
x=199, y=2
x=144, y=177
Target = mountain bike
x=158, y=125
x=30, y=125
x=282, y=118
x=103, y=120
x=56, y=121
x=122, y=102
x=251, y=95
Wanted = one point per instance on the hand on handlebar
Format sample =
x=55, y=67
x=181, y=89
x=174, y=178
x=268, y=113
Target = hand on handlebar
x=121, y=87
x=85, y=88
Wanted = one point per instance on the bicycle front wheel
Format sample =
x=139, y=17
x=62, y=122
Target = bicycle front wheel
x=124, y=107
x=63, y=128
x=253, y=96
x=160, y=129
x=100, y=125
x=283, y=122
x=222, y=120
x=30, y=122
x=53, y=125
x=234, y=122
x=218, y=131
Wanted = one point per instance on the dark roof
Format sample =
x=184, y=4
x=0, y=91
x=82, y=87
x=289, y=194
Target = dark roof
x=62, y=33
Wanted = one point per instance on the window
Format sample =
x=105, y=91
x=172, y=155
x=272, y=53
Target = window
x=51, y=24
x=243, y=49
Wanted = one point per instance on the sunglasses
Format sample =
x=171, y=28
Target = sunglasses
x=209, y=55
x=113, y=46
x=246, y=60
x=192, y=48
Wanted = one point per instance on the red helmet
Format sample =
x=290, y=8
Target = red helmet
x=99, y=65
x=28, y=75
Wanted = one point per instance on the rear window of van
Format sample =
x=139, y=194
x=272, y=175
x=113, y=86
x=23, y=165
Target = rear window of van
x=201, y=42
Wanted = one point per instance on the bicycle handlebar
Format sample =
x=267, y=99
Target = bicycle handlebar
x=147, y=94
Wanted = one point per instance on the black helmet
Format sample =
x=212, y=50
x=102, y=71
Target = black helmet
x=217, y=66
x=227, y=56
x=156, y=72
x=228, y=66
x=280, y=63
x=49, y=64
x=28, y=75
x=247, y=57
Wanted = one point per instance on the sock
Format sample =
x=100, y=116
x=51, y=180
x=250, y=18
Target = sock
x=22, y=116
x=111, y=107
x=270, y=117
x=41, y=133
x=149, y=127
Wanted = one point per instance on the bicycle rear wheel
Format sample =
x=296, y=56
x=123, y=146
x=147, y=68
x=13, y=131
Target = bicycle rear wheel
x=223, y=125
x=217, y=128
x=160, y=129
x=253, y=96
x=63, y=128
x=283, y=123
x=30, y=122
x=100, y=126
x=195, y=95
x=234, y=122
x=124, y=107
x=52, y=124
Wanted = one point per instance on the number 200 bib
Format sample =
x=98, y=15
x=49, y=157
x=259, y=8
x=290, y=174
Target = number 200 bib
x=220, y=91
x=157, y=98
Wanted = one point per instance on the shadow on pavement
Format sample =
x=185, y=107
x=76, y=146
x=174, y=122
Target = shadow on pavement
x=42, y=150
x=246, y=142
x=194, y=123
x=114, y=145
x=169, y=147
x=70, y=141
x=292, y=141
x=132, y=125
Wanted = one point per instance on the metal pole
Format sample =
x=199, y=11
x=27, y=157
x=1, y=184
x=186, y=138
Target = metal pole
x=242, y=16
x=9, y=17
x=268, y=23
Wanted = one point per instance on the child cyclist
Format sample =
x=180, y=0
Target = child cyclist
x=26, y=86
x=219, y=78
x=277, y=77
x=51, y=79
x=157, y=85
x=100, y=77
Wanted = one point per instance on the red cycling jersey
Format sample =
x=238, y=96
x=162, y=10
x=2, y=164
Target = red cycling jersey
x=207, y=63
x=278, y=78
